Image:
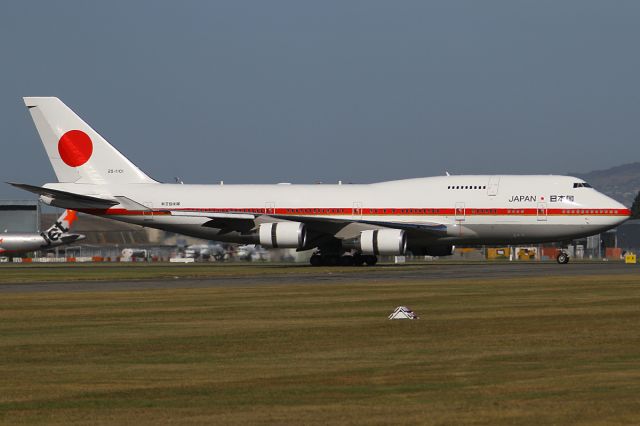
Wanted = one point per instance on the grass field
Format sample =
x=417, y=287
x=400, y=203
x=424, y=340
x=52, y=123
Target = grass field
x=527, y=351
x=27, y=273
x=19, y=273
x=43, y=272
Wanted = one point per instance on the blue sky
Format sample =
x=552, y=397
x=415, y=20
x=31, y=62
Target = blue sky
x=296, y=91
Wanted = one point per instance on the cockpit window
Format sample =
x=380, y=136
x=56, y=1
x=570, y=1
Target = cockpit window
x=581, y=185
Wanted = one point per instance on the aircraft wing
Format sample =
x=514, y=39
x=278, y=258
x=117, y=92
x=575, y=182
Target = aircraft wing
x=214, y=215
x=68, y=199
x=428, y=227
x=322, y=224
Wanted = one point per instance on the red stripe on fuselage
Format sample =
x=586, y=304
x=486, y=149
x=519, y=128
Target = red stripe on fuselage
x=469, y=211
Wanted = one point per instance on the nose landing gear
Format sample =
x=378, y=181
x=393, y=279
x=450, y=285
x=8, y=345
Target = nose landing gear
x=562, y=258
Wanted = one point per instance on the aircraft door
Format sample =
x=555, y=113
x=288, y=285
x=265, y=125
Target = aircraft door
x=494, y=184
x=542, y=212
x=269, y=207
x=356, y=211
x=460, y=212
x=147, y=215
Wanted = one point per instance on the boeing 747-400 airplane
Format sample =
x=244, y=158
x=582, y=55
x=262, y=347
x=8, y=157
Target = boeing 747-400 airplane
x=346, y=224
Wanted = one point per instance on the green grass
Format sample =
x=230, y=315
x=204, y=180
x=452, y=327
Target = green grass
x=522, y=351
x=24, y=273
x=43, y=272
x=34, y=272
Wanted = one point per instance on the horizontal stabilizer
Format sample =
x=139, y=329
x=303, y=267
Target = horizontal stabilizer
x=67, y=199
x=70, y=238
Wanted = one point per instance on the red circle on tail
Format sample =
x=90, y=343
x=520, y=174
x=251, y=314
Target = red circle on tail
x=75, y=148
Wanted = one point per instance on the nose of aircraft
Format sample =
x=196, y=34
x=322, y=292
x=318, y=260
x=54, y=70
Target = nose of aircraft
x=622, y=212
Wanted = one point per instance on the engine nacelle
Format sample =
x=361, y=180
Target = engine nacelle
x=383, y=241
x=283, y=235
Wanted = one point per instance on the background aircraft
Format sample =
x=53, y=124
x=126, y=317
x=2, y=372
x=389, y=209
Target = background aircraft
x=206, y=251
x=12, y=244
x=346, y=224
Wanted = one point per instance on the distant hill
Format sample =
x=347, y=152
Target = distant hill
x=621, y=183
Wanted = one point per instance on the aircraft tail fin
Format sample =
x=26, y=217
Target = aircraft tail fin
x=77, y=152
x=59, y=231
x=64, y=222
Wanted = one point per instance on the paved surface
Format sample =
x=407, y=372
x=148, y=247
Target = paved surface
x=326, y=276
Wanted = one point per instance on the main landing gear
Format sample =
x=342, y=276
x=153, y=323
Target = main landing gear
x=318, y=259
x=562, y=258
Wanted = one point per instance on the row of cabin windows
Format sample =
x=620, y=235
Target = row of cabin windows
x=581, y=211
x=575, y=185
x=467, y=187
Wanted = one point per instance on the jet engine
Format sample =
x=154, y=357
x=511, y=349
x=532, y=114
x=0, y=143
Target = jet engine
x=282, y=235
x=383, y=241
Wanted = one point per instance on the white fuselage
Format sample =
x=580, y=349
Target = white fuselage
x=476, y=209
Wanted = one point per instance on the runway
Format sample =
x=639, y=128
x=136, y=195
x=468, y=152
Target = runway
x=303, y=275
